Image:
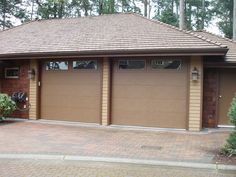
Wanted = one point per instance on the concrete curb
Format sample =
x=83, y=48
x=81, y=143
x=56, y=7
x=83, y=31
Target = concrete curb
x=121, y=128
x=120, y=160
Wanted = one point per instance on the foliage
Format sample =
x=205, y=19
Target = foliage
x=230, y=147
x=7, y=105
x=232, y=112
x=9, y=9
x=199, y=13
x=223, y=9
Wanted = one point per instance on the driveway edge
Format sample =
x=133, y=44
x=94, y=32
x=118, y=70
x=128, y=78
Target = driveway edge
x=120, y=160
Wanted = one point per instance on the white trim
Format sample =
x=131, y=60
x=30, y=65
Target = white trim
x=128, y=127
x=225, y=126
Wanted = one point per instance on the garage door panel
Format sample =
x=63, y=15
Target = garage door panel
x=84, y=102
x=81, y=115
x=71, y=95
x=160, y=92
x=152, y=79
x=160, y=106
x=149, y=98
x=142, y=118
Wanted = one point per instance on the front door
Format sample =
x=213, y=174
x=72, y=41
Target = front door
x=227, y=91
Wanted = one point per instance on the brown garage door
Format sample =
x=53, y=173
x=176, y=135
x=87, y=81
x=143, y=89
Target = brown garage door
x=71, y=90
x=150, y=93
x=227, y=91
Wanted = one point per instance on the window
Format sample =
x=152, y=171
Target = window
x=166, y=64
x=85, y=64
x=131, y=64
x=12, y=72
x=57, y=65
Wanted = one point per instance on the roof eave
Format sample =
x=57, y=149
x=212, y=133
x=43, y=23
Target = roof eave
x=118, y=53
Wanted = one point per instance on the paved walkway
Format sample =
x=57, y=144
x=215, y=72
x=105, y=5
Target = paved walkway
x=40, y=138
x=42, y=168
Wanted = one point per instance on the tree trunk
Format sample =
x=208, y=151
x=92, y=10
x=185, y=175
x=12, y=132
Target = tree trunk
x=100, y=10
x=149, y=9
x=182, y=15
x=145, y=7
x=32, y=10
x=203, y=15
x=234, y=22
x=4, y=14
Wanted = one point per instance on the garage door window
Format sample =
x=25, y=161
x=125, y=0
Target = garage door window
x=85, y=64
x=131, y=64
x=166, y=64
x=57, y=65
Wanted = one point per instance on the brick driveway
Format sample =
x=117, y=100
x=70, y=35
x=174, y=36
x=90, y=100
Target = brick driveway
x=40, y=138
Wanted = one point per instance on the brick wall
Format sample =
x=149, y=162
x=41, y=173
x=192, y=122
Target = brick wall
x=20, y=84
x=210, y=97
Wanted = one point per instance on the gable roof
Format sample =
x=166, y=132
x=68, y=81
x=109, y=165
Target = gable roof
x=231, y=54
x=106, y=34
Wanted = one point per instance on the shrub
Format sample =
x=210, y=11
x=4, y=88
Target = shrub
x=230, y=147
x=7, y=105
x=232, y=112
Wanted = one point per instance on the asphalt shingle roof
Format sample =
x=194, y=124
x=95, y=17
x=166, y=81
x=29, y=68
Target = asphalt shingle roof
x=118, y=32
x=231, y=54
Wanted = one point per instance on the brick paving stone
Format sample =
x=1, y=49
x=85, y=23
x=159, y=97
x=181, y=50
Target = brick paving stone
x=49, y=168
x=40, y=138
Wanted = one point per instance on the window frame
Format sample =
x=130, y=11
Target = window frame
x=129, y=69
x=11, y=77
x=86, y=69
x=55, y=70
x=180, y=68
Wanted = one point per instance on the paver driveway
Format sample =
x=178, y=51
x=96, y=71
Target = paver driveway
x=41, y=138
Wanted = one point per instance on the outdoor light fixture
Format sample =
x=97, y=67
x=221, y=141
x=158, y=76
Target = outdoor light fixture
x=31, y=74
x=195, y=74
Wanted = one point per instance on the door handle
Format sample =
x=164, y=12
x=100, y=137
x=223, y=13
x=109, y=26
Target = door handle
x=220, y=96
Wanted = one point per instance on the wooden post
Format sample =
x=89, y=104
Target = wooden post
x=196, y=95
x=34, y=91
x=106, y=79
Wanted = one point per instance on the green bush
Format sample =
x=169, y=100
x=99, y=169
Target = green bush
x=7, y=105
x=230, y=147
x=232, y=112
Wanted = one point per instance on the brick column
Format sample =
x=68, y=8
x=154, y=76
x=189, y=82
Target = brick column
x=34, y=91
x=106, y=77
x=196, y=95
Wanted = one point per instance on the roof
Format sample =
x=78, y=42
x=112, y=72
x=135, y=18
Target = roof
x=231, y=54
x=106, y=34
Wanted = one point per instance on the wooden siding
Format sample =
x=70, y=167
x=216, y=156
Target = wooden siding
x=33, y=91
x=106, y=92
x=195, y=95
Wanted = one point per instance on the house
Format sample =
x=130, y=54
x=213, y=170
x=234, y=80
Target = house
x=219, y=83
x=120, y=69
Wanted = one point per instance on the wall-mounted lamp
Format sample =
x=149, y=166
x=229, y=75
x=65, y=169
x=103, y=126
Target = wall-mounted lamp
x=31, y=74
x=195, y=74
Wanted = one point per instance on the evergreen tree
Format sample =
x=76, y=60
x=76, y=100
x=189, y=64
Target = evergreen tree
x=10, y=9
x=223, y=9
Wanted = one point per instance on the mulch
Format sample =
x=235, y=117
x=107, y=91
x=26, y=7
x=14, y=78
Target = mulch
x=222, y=159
